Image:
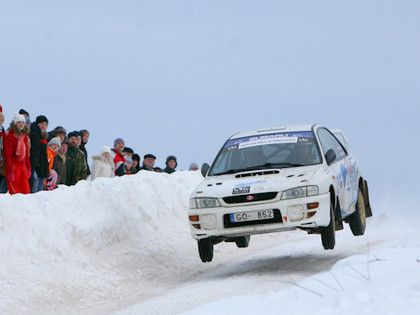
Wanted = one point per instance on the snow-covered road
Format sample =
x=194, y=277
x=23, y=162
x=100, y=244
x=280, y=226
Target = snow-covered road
x=123, y=246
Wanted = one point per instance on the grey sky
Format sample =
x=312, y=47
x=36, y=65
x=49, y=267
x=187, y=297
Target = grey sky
x=179, y=77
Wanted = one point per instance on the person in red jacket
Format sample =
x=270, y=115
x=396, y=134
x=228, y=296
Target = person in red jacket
x=120, y=164
x=16, y=155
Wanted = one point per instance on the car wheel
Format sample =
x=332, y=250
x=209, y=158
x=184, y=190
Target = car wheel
x=357, y=220
x=243, y=241
x=328, y=232
x=205, y=249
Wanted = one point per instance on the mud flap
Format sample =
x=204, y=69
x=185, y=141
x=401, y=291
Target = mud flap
x=368, y=209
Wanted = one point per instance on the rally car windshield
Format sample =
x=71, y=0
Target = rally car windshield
x=277, y=150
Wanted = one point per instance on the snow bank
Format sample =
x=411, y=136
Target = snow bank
x=59, y=246
x=385, y=280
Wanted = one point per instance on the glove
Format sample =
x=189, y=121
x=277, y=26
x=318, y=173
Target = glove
x=11, y=177
x=29, y=174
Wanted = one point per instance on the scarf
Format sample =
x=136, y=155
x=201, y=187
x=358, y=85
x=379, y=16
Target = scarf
x=21, y=148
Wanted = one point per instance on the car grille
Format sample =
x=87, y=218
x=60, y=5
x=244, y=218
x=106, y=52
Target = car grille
x=228, y=224
x=250, y=197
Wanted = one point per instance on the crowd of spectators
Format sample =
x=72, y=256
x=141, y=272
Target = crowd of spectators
x=34, y=159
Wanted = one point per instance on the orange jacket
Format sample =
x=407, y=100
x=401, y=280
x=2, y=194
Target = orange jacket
x=50, y=157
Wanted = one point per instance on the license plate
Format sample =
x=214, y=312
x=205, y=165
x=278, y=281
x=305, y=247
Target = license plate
x=251, y=216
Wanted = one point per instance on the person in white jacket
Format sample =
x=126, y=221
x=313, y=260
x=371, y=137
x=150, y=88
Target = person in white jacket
x=102, y=165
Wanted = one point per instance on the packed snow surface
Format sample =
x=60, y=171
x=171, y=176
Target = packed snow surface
x=123, y=245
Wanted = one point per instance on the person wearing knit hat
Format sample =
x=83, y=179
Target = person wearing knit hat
x=38, y=156
x=16, y=155
x=102, y=165
x=41, y=119
x=52, y=150
x=19, y=118
x=119, y=140
x=120, y=164
x=171, y=164
x=105, y=149
x=55, y=141
x=193, y=167
x=149, y=163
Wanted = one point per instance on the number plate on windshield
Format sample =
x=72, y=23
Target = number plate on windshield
x=251, y=216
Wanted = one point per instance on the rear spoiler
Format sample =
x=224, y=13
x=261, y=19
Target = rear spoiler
x=341, y=137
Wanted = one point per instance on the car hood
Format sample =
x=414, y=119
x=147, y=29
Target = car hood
x=254, y=182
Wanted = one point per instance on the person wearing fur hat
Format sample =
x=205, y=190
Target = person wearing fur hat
x=75, y=162
x=58, y=131
x=38, y=156
x=171, y=164
x=16, y=154
x=102, y=165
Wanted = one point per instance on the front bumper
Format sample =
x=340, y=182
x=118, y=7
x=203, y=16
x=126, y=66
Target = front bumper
x=288, y=215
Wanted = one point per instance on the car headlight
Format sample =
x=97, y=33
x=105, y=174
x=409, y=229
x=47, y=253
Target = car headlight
x=204, y=203
x=300, y=192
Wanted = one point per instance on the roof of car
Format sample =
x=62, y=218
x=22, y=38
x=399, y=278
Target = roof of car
x=291, y=128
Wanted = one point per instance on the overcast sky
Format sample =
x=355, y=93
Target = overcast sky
x=180, y=77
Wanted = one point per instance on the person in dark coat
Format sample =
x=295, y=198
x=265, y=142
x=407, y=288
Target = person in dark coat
x=171, y=164
x=135, y=168
x=149, y=163
x=85, y=138
x=38, y=157
x=75, y=166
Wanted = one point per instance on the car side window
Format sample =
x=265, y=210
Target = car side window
x=328, y=141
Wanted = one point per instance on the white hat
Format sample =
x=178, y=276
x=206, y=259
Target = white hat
x=105, y=149
x=55, y=140
x=19, y=118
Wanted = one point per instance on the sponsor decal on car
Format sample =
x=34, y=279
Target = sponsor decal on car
x=241, y=190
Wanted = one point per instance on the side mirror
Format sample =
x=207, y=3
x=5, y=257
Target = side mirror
x=330, y=156
x=204, y=169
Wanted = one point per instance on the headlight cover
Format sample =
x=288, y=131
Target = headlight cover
x=197, y=203
x=300, y=192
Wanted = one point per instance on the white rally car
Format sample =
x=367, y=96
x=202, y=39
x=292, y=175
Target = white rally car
x=279, y=179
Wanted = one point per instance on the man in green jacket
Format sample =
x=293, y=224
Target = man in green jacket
x=76, y=168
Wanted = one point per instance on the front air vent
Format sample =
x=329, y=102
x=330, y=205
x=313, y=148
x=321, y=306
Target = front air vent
x=250, y=197
x=258, y=173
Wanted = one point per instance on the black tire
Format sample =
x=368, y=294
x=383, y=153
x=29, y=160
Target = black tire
x=243, y=241
x=205, y=249
x=328, y=232
x=357, y=220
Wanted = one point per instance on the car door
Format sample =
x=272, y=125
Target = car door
x=344, y=168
